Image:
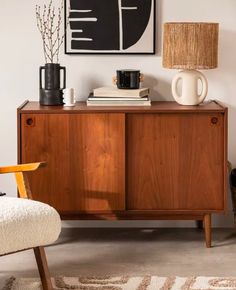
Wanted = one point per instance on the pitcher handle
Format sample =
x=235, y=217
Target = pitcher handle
x=41, y=68
x=64, y=79
x=174, y=87
x=203, y=94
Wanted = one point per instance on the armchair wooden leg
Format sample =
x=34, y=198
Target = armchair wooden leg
x=43, y=268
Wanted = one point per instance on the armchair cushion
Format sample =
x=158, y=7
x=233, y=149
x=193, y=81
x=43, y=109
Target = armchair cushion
x=26, y=224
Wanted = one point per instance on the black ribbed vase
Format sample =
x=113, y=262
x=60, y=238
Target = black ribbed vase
x=51, y=94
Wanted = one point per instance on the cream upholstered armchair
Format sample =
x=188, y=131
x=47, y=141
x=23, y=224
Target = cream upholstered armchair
x=26, y=224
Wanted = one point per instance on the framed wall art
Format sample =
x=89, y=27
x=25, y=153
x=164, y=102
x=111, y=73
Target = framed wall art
x=110, y=26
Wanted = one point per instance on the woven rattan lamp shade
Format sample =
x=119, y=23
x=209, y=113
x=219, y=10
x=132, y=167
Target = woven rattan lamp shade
x=190, y=45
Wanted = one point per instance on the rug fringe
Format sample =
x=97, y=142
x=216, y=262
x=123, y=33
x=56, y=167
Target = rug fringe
x=9, y=284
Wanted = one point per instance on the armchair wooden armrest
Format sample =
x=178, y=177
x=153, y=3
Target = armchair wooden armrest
x=21, y=178
x=22, y=167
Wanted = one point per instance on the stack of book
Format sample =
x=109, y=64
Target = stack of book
x=112, y=96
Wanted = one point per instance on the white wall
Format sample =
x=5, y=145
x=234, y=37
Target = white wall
x=21, y=55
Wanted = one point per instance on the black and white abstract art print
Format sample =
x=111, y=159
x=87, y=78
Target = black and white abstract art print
x=110, y=26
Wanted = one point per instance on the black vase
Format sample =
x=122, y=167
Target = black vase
x=51, y=94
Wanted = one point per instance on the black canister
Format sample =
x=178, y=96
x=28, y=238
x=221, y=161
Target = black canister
x=128, y=79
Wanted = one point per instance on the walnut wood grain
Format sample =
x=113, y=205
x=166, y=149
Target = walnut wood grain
x=175, y=161
x=85, y=156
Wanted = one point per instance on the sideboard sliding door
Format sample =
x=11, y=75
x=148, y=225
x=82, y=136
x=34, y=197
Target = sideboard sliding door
x=175, y=162
x=86, y=160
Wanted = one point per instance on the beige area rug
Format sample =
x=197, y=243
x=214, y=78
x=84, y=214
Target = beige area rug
x=126, y=283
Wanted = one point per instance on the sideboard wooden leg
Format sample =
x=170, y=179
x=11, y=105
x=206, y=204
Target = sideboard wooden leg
x=199, y=224
x=207, y=227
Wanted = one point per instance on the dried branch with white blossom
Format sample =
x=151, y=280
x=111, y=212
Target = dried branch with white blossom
x=50, y=24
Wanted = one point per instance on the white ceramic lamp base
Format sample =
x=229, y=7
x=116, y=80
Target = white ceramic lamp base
x=189, y=92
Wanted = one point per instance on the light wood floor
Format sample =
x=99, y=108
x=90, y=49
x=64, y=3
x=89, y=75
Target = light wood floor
x=161, y=252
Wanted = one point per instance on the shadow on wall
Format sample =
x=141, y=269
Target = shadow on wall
x=226, y=74
x=227, y=77
x=159, y=25
x=227, y=59
x=223, y=78
x=160, y=88
x=93, y=83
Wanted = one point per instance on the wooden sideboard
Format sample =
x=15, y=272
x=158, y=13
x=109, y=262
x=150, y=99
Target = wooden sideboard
x=161, y=162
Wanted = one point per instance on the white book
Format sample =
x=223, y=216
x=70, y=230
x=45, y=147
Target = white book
x=115, y=92
x=118, y=99
x=119, y=103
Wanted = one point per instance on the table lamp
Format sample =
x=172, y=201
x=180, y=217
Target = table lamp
x=189, y=46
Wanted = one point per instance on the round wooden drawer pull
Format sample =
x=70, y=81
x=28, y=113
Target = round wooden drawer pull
x=29, y=121
x=214, y=120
